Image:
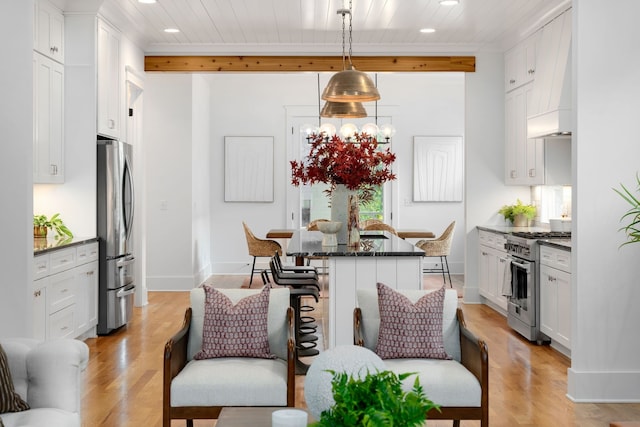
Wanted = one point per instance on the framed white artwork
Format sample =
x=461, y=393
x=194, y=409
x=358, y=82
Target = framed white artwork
x=248, y=169
x=438, y=169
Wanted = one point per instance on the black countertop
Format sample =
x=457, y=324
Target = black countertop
x=43, y=245
x=372, y=243
x=505, y=229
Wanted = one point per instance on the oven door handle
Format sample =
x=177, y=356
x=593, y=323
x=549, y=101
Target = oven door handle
x=525, y=266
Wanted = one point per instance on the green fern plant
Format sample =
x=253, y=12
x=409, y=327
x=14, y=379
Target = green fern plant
x=632, y=229
x=376, y=400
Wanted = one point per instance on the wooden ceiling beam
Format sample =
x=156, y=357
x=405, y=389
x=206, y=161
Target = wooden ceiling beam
x=308, y=63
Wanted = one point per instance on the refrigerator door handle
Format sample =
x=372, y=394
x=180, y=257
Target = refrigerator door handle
x=125, y=291
x=123, y=262
x=128, y=181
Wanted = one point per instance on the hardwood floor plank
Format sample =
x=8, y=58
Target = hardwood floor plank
x=528, y=383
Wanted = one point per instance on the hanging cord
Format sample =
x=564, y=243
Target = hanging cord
x=350, y=32
x=319, y=112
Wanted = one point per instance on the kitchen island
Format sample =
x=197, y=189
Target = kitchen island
x=380, y=257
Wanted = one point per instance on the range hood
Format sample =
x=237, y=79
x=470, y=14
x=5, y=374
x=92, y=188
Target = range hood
x=549, y=113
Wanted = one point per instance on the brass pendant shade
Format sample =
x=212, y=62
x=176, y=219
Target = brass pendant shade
x=350, y=86
x=343, y=110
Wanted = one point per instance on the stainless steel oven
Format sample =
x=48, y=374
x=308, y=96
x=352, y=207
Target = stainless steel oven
x=524, y=293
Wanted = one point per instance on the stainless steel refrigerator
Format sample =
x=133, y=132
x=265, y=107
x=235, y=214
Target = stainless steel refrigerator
x=115, y=220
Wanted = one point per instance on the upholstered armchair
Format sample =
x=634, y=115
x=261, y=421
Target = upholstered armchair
x=460, y=385
x=199, y=389
x=48, y=376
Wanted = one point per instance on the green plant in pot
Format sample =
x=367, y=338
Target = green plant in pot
x=375, y=400
x=42, y=223
x=632, y=229
x=519, y=214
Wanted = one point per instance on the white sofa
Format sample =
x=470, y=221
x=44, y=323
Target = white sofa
x=48, y=376
x=460, y=385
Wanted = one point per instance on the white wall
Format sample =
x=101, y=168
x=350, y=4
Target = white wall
x=485, y=191
x=16, y=164
x=605, y=317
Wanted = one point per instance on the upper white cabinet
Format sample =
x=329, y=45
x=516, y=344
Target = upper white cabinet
x=524, y=157
x=48, y=120
x=109, y=111
x=520, y=63
x=48, y=31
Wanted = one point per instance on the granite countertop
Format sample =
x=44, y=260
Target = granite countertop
x=42, y=245
x=505, y=229
x=380, y=243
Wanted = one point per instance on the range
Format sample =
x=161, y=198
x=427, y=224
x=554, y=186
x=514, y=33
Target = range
x=524, y=291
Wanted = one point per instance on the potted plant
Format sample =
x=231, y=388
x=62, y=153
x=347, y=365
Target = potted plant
x=519, y=214
x=376, y=399
x=41, y=224
x=632, y=215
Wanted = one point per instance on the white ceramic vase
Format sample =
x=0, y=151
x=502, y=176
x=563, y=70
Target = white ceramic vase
x=340, y=210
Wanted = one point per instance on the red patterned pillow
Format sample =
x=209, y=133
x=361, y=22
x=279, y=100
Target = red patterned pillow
x=235, y=330
x=410, y=330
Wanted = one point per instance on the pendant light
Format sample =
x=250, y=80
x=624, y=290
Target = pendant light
x=343, y=110
x=349, y=85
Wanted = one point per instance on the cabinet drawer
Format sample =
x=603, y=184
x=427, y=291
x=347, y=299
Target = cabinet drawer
x=493, y=240
x=61, y=291
x=86, y=253
x=61, y=324
x=62, y=260
x=556, y=258
x=40, y=266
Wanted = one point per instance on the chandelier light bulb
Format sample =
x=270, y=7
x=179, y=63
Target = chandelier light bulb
x=348, y=130
x=308, y=129
x=328, y=129
x=371, y=130
x=388, y=130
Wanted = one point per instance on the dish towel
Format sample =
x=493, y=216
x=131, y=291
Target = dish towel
x=507, y=289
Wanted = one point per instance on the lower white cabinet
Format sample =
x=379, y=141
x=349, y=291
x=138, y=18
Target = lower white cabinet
x=65, y=292
x=555, y=296
x=492, y=263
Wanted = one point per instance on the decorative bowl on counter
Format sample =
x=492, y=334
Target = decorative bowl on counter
x=329, y=230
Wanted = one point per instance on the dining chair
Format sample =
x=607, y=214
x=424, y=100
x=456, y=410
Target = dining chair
x=439, y=247
x=259, y=248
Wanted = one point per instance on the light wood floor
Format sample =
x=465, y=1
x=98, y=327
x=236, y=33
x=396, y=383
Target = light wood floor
x=528, y=383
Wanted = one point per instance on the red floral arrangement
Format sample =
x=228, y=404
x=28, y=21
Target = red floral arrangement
x=359, y=165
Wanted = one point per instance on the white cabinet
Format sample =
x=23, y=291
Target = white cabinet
x=48, y=38
x=48, y=120
x=108, y=109
x=555, y=296
x=520, y=63
x=492, y=263
x=524, y=158
x=65, y=292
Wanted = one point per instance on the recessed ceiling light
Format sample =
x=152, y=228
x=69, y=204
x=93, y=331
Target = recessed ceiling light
x=171, y=30
x=147, y=1
x=428, y=30
x=449, y=2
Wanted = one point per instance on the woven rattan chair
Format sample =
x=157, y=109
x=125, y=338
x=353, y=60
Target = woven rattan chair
x=380, y=226
x=259, y=248
x=367, y=222
x=439, y=247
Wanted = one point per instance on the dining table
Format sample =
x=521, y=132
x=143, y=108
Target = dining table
x=409, y=233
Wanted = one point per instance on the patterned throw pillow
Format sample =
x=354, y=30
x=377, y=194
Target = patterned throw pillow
x=410, y=330
x=10, y=401
x=235, y=330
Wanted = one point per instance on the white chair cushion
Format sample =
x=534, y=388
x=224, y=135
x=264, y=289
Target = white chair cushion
x=49, y=417
x=445, y=382
x=231, y=381
x=277, y=318
x=368, y=303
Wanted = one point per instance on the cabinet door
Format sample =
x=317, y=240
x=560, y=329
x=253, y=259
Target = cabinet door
x=39, y=309
x=48, y=127
x=108, y=80
x=524, y=158
x=563, y=335
x=87, y=301
x=49, y=28
x=501, y=266
x=548, y=301
x=484, y=260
